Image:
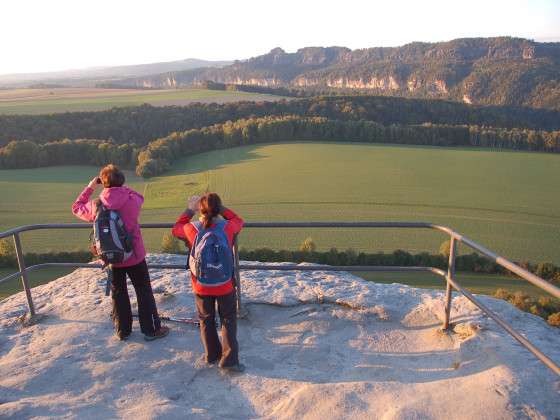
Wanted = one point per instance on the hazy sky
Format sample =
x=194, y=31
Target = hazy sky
x=46, y=35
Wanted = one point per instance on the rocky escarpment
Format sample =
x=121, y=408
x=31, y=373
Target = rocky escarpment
x=364, y=350
x=499, y=71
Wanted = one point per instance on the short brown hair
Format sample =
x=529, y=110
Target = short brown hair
x=111, y=176
x=210, y=206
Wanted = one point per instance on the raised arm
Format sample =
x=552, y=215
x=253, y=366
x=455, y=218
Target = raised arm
x=183, y=229
x=83, y=208
x=184, y=219
x=235, y=223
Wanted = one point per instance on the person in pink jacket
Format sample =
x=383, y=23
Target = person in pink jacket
x=127, y=202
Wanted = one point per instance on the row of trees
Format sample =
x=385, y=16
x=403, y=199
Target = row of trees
x=545, y=307
x=466, y=263
x=8, y=256
x=279, y=91
x=542, y=306
x=157, y=156
x=307, y=252
x=516, y=139
x=27, y=154
x=142, y=124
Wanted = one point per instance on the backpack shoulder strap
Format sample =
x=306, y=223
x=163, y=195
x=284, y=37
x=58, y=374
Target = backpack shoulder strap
x=98, y=205
x=221, y=224
x=198, y=225
x=220, y=230
x=199, y=229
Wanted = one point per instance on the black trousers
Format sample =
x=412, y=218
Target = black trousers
x=227, y=353
x=122, y=313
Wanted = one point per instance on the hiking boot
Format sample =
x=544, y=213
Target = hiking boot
x=122, y=336
x=238, y=368
x=212, y=362
x=162, y=332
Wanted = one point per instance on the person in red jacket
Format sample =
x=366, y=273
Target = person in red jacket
x=127, y=202
x=226, y=353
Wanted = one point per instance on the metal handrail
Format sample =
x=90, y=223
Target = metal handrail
x=451, y=282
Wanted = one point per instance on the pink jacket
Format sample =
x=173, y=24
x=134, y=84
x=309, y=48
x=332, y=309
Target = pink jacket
x=128, y=203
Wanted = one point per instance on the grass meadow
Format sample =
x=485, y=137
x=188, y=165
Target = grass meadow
x=36, y=278
x=47, y=101
x=507, y=201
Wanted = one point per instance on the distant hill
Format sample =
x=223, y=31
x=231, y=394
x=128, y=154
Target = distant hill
x=96, y=75
x=487, y=71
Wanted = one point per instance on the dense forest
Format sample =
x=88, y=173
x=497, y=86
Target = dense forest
x=497, y=71
x=140, y=125
x=155, y=157
x=27, y=154
x=158, y=155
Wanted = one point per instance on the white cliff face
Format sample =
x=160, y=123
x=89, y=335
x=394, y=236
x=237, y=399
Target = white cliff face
x=381, y=83
x=436, y=86
x=305, y=82
x=268, y=82
x=413, y=84
x=393, y=84
x=528, y=53
x=171, y=82
x=168, y=83
x=441, y=86
x=388, y=83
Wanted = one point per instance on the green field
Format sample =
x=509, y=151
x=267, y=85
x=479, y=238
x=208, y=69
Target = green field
x=476, y=283
x=504, y=200
x=36, y=278
x=507, y=201
x=46, y=101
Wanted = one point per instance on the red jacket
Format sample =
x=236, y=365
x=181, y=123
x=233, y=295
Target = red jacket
x=185, y=230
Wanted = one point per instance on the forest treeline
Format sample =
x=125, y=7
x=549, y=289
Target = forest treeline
x=545, y=307
x=473, y=262
x=159, y=155
x=142, y=124
x=27, y=154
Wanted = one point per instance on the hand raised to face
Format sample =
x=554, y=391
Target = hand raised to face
x=193, y=202
x=94, y=183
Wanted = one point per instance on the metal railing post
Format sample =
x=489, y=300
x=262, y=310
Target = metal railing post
x=449, y=286
x=236, y=275
x=22, y=269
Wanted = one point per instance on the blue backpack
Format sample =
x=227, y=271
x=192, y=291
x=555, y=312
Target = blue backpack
x=211, y=257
